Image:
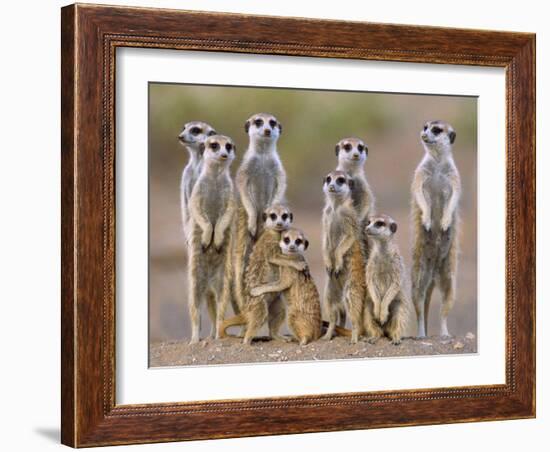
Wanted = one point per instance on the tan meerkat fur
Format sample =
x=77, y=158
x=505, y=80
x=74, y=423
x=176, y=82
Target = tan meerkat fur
x=261, y=182
x=212, y=207
x=298, y=289
x=352, y=154
x=436, y=192
x=191, y=137
x=256, y=311
x=388, y=302
x=340, y=233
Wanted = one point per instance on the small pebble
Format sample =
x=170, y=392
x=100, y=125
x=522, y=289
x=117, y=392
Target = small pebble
x=458, y=346
x=429, y=344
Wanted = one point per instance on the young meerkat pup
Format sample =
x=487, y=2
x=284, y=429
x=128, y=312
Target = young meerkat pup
x=388, y=303
x=352, y=154
x=261, y=182
x=265, y=260
x=191, y=136
x=212, y=207
x=298, y=289
x=435, y=194
x=340, y=236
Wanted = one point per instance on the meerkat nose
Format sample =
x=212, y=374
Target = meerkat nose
x=267, y=132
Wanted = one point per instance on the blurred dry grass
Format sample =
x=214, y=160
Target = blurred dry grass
x=313, y=121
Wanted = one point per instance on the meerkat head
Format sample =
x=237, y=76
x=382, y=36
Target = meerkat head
x=338, y=184
x=263, y=127
x=277, y=217
x=218, y=149
x=437, y=137
x=194, y=133
x=381, y=227
x=293, y=241
x=351, y=152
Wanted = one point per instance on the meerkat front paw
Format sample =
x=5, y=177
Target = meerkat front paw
x=252, y=230
x=218, y=242
x=255, y=291
x=395, y=341
x=445, y=222
x=426, y=222
x=383, y=316
x=206, y=239
x=329, y=271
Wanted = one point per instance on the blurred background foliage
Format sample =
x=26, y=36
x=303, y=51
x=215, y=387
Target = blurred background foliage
x=313, y=122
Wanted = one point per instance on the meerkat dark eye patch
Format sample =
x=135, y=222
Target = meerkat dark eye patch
x=452, y=136
x=272, y=123
x=284, y=216
x=298, y=242
x=379, y=224
x=393, y=227
x=214, y=146
x=341, y=180
x=196, y=130
x=360, y=148
x=436, y=130
x=348, y=147
x=286, y=240
x=259, y=122
x=425, y=127
x=273, y=216
x=228, y=146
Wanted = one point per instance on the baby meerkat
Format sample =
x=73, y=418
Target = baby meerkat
x=212, y=207
x=340, y=236
x=261, y=182
x=191, y=136
x=263, y=268
x=388, y=301
x=352, y=154
x=298, y=289
x=435, y=194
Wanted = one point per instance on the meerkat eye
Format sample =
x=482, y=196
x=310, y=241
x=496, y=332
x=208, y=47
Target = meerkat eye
x=284, y=216
x=196, y=130
x=379, y=224
x=329, y=180
x=347, y=147
x=341, y=180
x=259, y=122
x=273, y=216
x=214, y=146
x=298, y=242
x=228, y=146
x=211, y=133
x=286, y=240
x=436, y=130
x=272, y=123
x=360, y=148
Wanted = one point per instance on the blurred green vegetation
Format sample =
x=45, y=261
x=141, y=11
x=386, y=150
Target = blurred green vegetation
x=313, y=122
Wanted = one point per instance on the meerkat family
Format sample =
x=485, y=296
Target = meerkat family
x=435, y=194
x=243, y=247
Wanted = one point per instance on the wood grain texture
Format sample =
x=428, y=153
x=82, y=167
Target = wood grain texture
x=90, y=36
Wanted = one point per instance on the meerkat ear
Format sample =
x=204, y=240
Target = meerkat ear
x=337, y=150
x=306, y=244
x=452, y=136
x=280, y=128
x=264, y=217
x=246, y=126
x=291, y=216
x=393, y=227
x=212, y=133
x=202, y=146
x=351, y=183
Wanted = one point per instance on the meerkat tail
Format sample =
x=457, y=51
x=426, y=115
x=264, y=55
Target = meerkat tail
x=232, y=321
x=339, y=330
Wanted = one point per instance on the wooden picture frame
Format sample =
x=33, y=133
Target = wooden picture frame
x=90, y=35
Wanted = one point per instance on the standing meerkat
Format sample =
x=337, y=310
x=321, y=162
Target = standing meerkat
x=340, y=235
x=388, y=302
x=298, y=289
x=435, y=195
x=352, y=154
x=264, y=267
x=261, y=182
x=212, y=207
x=191, y=136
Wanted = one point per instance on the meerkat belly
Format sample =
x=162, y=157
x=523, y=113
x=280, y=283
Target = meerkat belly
x=263, y=192
x=384, y=274
x=216, y=205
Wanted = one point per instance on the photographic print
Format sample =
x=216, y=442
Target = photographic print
x=291, y=224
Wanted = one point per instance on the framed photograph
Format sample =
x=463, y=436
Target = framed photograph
x=260, y=215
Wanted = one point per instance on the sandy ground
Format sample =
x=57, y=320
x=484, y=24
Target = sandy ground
x=231, y=350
